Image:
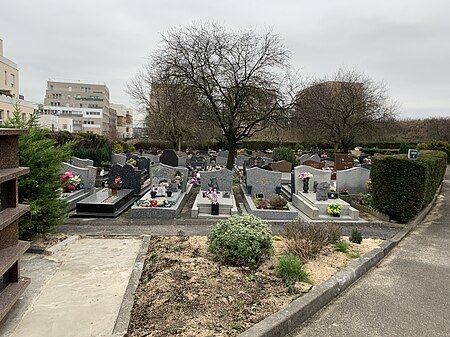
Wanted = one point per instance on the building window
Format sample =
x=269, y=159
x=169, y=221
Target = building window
x=6, y=77
x=64, y=126
x=13, y=80
x=1, y=114
x=24, y=115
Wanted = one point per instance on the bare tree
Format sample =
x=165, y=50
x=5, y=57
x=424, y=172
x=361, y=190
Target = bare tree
x=342, y=108
x=237, y=77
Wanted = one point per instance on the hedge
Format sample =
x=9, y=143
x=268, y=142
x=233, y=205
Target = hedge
x=403, y=187
x=437, y=145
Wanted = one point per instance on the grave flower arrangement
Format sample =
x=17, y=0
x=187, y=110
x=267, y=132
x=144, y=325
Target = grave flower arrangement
x=117, y=184
x=305, y=176
x=212, y=195
x=178, y=178
x=162, y=202
x=164, y=183
x=335, y=209
x=70, y=182
x=132, y=162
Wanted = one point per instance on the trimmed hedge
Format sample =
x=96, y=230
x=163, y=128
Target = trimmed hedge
x=437, y=145
x=402, y=187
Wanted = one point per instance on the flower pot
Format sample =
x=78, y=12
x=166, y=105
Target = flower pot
x=305, y=185
x=153, y=194
x=336, y=215
x=278, y=190
x=249, y=189
x=214, y=209
x=114, y=190
x=169, y=193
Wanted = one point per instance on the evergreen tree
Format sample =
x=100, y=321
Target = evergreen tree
x=39, y=188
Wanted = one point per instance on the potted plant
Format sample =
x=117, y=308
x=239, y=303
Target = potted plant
x=335, y=209
x=279, y=203
x=213, y=196
x=168, y=192
x=305, y=176
x=70, y=182
x=116, y=185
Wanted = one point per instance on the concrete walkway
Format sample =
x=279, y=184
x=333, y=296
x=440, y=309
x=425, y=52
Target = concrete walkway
x=75, y=292
x=408, y=294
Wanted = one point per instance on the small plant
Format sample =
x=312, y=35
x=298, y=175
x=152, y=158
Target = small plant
x=131, y=148
x=290, y=268
x=284, y=153
x=251, y=277
x=236, y=325
x=117, y=148
x=277, y=238
x=278, y=202
x=241, y=240
x=306, y=240
x=341, y=246
x=354, y=255
x=356, y=236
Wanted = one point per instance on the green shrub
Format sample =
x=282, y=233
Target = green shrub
x=299, y=147
x=402, y=187
x=436, y=145
x=356, y=236
x=405, y=147
x=131, y=148
x=98, y=155
x=117, y=148
x=241, y=240
x=290, y=269
x=341, y=246
x=284, y=153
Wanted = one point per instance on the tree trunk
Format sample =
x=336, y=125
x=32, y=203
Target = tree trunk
x=231, y=154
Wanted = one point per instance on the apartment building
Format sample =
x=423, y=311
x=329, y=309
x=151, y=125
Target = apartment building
x=9, y=89
x=78, y=106
x=124, y=124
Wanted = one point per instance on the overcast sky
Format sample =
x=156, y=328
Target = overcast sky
x=405, y=44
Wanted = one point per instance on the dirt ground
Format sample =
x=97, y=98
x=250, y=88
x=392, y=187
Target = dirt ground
x=184, y=292
x=47, y=240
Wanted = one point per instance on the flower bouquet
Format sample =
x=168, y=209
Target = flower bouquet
x=70, y=182
x=116, y=185
x=305, y=176
x=335, y=209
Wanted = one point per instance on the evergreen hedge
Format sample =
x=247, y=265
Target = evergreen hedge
x=403, y=187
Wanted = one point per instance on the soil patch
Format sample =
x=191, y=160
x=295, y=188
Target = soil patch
x=47, y=240
x=184, y=292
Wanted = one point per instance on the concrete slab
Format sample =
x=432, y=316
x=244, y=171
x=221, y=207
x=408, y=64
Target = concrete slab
x=83, y=297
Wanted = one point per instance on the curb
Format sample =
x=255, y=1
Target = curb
x=291, y=317
x=124, y=315
x=53, y=249
x=60, y=245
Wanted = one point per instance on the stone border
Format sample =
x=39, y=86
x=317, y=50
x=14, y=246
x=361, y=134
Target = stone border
x=293, y=315
x=53, y=249
x=124, y=315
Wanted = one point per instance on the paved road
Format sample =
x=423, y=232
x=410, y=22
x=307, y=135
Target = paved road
x=408, y=294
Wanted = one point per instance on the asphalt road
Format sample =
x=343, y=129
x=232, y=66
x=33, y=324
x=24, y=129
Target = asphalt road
x=408, y=294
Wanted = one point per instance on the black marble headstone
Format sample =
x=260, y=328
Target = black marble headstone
x=169, y=157
x=130, y=176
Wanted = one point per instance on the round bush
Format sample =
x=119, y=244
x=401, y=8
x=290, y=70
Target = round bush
x=241, y=241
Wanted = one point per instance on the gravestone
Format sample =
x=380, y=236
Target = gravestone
x=322, y=191
x=224, y=178
x=87, y=175
x=131, y=177
x=154, y=158
x=118, y=158
x=263, y=181
x=222, y=161
x=303, y=158
x=160, y=172
x=315, y=164
x=354, y=180
x=281, y=166
x=240, y=159
x=318, y=175
x=197, y=163
x=169, y=157
x=223, y=154
x=315, y=157
x=343, y=161
x=78, y=162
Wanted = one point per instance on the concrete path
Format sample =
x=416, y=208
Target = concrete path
x=76, y=292
x=408, y=294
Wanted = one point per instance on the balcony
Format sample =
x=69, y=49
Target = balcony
x=89, y=99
